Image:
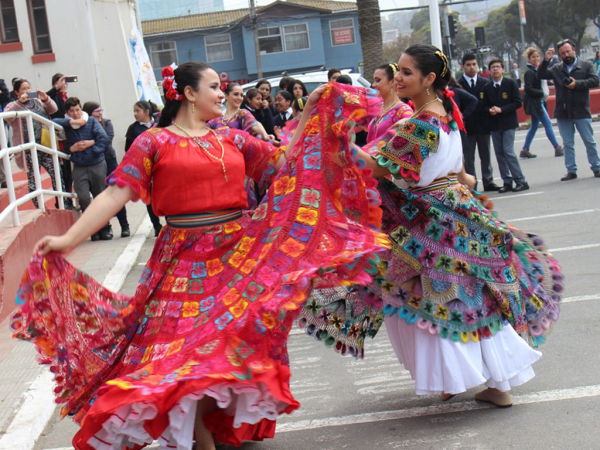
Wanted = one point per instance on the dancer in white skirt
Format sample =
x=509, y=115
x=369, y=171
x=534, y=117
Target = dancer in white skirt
x=465, y=294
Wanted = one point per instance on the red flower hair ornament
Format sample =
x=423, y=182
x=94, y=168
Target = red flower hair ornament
x=169, y=84
x=456, y=114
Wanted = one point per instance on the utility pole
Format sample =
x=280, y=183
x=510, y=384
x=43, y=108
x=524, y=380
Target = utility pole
x=434, y=20
x=254, y=21
x=523, y=21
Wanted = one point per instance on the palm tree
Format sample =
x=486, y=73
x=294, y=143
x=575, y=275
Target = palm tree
x=371, y=42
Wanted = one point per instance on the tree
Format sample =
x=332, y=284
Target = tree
x=371, y=41
x=393, y=51
x=420, y=19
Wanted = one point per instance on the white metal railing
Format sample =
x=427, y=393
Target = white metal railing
x=32, y=146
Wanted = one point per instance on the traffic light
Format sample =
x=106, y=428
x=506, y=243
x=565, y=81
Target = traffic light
x=452, y=26
x=480, y=36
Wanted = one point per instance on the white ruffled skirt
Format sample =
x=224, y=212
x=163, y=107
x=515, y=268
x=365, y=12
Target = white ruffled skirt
x=443, y=365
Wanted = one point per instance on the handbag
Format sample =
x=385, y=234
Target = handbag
x=46, y=139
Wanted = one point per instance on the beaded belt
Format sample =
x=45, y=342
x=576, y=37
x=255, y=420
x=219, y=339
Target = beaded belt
x=438, y=183
x=203, y=219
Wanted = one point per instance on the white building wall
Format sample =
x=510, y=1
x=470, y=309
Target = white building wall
x=89, y=39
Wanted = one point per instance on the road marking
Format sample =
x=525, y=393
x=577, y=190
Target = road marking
x=574, y=247
x=38, y=401
x=421, y=411
x=503, y=197
x=472, y=405
x=548, y=216
x=580, y=298
x=536, y=139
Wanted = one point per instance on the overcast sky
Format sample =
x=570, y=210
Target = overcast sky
x=383, y=4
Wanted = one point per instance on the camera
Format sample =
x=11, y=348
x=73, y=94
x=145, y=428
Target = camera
x=567, y=81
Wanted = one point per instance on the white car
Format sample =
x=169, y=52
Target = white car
x=311, y=80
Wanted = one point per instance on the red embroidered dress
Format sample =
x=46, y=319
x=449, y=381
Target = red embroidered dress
x=215, y=303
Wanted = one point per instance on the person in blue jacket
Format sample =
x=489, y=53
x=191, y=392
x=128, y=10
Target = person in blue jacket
x=86, y=142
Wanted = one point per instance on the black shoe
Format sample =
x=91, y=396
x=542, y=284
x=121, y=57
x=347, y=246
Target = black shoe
x=491, y=187
x=125, y=231
x=95, y=237
x=527, y=154
x=3, y=185
x=521, y=187
x=110, y=231
x=569, y=176
x=105, y=235
x=505, y=188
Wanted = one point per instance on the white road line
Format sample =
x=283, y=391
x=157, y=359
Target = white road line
x=549, y=216
x=580, y=298
x=538, y=397
x=574, y=247
x=504, y=197
x=446, y=408
x=38, y=401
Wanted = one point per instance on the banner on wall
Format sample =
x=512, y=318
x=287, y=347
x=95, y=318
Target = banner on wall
x=142, y=70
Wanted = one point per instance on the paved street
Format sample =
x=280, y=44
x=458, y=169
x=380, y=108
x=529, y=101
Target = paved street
x=370, y=403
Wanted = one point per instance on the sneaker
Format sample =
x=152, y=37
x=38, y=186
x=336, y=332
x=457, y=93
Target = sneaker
x=526, y=154
x=558, y=151
x=597, y=173
x=569, y=176
x=125, y=231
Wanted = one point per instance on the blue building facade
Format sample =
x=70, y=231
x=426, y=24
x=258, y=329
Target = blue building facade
x=294, y=36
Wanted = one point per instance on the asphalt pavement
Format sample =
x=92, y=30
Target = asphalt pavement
x=370, y=404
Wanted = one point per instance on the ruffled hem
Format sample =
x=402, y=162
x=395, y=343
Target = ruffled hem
x=134, y=418
x=441, y=365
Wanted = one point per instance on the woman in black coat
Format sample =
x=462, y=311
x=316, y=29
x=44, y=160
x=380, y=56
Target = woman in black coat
x=534, y=103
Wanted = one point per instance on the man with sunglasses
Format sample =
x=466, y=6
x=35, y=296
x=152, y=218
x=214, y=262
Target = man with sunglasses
x=573, y=79
x=501, y=100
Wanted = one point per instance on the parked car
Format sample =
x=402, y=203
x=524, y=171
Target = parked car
x=311, y=80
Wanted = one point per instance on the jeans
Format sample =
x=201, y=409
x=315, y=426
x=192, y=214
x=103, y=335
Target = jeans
x=567, y=132
x=544, y=119
x=508, y=163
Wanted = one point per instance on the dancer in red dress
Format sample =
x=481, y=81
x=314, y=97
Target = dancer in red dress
x=201, y=346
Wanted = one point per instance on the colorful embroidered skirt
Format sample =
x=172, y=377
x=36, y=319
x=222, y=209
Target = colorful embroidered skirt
x=474, y=272
x=214, y=306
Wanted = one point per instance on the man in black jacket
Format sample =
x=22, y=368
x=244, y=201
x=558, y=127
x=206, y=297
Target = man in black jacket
x=478, y=133
x=502, y=99
x=573, y=79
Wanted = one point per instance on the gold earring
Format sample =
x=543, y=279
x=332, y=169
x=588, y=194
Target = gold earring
x=193, y=108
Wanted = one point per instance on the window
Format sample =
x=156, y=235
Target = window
x=8, y=22
x=296, y=37
x=269, y=40
x=218, y=48
x=342, y=32
x=163, y=54
x=40, y=32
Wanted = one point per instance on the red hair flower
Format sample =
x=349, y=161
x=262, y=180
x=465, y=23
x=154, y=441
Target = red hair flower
x=169, y=84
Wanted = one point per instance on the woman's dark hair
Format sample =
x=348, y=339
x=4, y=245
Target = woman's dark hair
x=331, y=72
x=71, y=102
x=230, y=87
x=429, y=59
x=90, y=107
x=455, y=84
x=290, y=87
x=283, y=83
x=344, y=79
x=56, y=77
x=148, y=105
x=299, y=103
x=286, y=95
x=390, y=70
x=187, y=74
x=261, y=82
x=18, y=83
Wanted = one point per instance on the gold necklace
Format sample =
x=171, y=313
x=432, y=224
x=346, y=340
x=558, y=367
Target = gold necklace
x=416, y=113
x=226, y=121
x=203, y=147
x=382, y=115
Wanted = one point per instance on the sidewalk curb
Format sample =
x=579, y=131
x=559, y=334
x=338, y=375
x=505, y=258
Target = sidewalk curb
x=38, y=406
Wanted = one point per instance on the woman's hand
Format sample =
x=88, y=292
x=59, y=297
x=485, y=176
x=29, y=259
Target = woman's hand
x=60, y=244
x=468, y=180
x=265, y=104
x=43, y=96
x=277, y=131
x=24, y=98
x=314, y=97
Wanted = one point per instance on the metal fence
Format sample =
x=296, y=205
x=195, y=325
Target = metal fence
x=32, y=146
